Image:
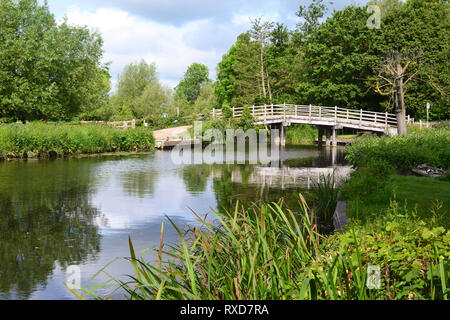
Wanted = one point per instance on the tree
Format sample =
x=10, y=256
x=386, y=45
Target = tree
x=205, y=102
x=338, y=58
x=225, y=86
x=134, y=79
x=281, y=67
x=239, y=81
x=393, y=72
x=420, y=27
x=260, y=32
x=196, y=75
x=310, y=16
x=47, y=71
x=139, y=90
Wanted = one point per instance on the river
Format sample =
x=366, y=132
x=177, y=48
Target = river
x=80, y=212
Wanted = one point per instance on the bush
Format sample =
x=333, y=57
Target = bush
x=430, y=147
x=413, y=254
x=43, y=140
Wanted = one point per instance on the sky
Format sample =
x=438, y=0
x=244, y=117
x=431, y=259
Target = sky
x=173, y=34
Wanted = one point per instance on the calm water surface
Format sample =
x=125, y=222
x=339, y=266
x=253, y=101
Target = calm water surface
x=80, y=212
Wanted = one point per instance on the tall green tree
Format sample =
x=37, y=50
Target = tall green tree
x=205, y=102
x=140, y=92
x=47, y=71
x=417, y=32
x=339, y=58
x=196, y=75
x=239, y=74
x=281, y=64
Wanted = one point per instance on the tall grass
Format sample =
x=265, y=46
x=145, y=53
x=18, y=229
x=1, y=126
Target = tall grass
x=43, y=140
x=431, y=146
x=268, y=252
x=325, y=198
x=301, y=134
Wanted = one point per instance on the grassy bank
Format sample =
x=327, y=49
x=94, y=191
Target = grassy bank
x=369, y=197
x=41, y=140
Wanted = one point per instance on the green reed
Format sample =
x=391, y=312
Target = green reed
x=268, y=252
x=46, y=140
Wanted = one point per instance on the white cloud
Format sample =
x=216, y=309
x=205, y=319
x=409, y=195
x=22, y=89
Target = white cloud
x=128, y=38
x=245, y=19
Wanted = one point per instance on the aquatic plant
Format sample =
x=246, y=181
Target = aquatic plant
x=46, y=140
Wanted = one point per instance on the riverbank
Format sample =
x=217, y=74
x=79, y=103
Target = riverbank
x=42, y=141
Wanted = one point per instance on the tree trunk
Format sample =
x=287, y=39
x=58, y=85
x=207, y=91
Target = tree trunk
x=262, y=71
x=268, y=87
x=401, y=109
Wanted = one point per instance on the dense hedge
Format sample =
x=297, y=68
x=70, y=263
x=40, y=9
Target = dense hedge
x=44, y=140
x=430, y=147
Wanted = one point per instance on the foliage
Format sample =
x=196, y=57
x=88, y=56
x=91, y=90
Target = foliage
x=338, y=58
x=47, y=71
x=403, y=152
x=139, y=93
x=47, y=140
x=413, y=254
x=205, y=102
x=421, y=27
x=196, y=75
x=325, y=198
x=301, y=134
x=246, y=120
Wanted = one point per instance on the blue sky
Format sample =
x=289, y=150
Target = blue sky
x=174, y=33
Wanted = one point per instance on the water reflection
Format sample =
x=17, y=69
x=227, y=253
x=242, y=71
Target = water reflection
x=43, y=222
x=81, y=211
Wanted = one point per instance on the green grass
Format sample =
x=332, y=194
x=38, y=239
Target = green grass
x=416, y=193
x=431, y=146
x=301, y=135
x=43, y=140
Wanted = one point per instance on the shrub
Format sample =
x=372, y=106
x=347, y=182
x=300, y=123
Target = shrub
x=413, y=254
x=403, y=152
x=18, y=141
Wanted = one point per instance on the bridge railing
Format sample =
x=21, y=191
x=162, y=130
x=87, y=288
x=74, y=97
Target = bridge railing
x=338, y=115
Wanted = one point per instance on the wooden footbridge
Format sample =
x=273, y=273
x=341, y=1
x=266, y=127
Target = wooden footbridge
x=327, y=119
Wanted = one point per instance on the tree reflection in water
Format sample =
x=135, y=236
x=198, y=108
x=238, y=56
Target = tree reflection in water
x=44, y=220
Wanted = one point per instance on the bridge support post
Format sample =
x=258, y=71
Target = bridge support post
x=335, y=140
x=320, y=129
x=328, y=135
x=280, y=140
